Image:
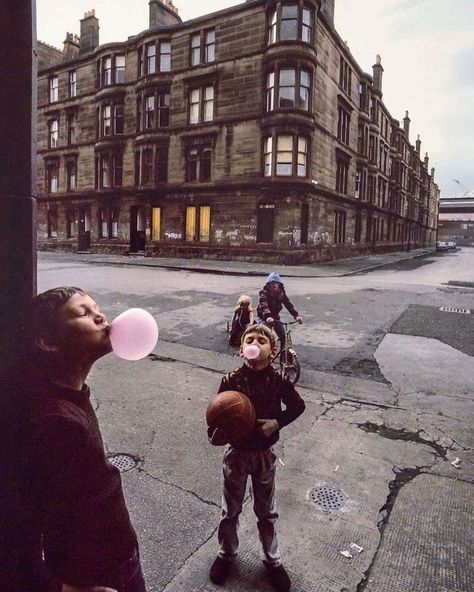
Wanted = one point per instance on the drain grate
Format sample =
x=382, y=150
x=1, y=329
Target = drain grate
x=458, y=310
x=123, y=462
x=329, y=499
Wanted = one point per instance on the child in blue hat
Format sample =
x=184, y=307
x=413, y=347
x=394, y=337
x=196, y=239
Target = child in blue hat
x=272, y=298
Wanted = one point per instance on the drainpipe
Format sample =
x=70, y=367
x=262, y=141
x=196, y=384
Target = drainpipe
x=17, y=172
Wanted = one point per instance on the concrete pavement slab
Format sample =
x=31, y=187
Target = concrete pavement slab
x=427, y=546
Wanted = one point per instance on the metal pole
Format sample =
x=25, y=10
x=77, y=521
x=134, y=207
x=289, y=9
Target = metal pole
x=17, y=171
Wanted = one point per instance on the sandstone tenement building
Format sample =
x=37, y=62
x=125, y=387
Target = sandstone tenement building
x=250, y=133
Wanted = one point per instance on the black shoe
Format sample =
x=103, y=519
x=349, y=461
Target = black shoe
x=219, y=571
x=279, y=578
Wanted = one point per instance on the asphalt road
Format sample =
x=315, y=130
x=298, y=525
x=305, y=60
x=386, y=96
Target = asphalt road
x=387, y=380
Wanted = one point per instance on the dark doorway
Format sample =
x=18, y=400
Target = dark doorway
x=84, y=230
x=304, y=223
x=265, y=223
x=137, y=229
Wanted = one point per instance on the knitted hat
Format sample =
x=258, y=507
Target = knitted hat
x=274, y=277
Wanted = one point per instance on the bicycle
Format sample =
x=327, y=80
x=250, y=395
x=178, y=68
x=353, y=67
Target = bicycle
x=287, y=357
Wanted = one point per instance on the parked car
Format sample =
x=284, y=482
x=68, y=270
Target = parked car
x=441, y=246
x=451, y=245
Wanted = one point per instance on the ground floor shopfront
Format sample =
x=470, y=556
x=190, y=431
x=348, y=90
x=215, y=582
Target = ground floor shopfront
x=272, y=224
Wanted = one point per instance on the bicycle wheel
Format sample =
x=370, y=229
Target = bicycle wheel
x=290, y=365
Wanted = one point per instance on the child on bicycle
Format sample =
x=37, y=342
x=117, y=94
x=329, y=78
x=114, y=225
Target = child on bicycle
x=272, y=297
x=243, y=316
x=253, y=456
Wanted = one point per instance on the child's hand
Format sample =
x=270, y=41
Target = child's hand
x=268, y=426
x=217, y=437
x=299, y=320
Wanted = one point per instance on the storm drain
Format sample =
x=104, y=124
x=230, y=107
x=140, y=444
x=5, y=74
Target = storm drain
x=458, y=310
x=123, y=462
x=329, y=499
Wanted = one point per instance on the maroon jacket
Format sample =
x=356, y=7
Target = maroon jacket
x=271, y=302
x=86, y=527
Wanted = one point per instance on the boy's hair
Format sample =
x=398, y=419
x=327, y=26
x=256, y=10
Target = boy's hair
x=45, y=310
x=263, y=330
x=244, y=299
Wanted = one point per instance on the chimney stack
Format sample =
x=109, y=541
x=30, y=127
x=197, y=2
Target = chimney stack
x=406, y=125
x=327, y=7
x=432, y=173
x=163, y=13
x=418, y=144
x=70, y=47
x=89, y=39
x=426, y=160
x=377, y=70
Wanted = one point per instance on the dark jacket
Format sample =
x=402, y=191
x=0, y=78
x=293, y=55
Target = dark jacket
x=271, y=301
x=86, y=527
x=267, y=389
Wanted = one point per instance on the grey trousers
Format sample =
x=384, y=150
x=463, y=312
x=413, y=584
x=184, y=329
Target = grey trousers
x=238, y=465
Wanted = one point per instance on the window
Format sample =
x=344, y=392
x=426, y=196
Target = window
x=52, y=176
x=165, y=56
x=284, y=156
x=150, y=59
x=53, y=89
x=201, y=105
x=108, y=222
x=342, y=172
x=72, y=84
x=196, y=50
x=199, y=164
x=293, y=89
x=111, y=70
x=70, y=223
x=291, y=22
x=53, y=133
x=268, y=157
x=339, y=226
x=210, y=47
x=198, y=223
x=203, y=48
x=155, y=223
x=345, y=76
x=52, y=223
x=119, y=69
x=151, y=165
x=71, y=174
x=343, y=125
x=109, y=170
x=111, y=119
x=71, y=128
x=149, y=112
x=147, y=166
x=163, y=110
x=302, y=157
x=290, y=156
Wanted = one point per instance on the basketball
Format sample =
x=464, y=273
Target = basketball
x=232, y=412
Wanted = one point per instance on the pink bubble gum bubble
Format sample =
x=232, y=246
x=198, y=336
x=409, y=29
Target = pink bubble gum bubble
x=133, y=334
x=251, y=352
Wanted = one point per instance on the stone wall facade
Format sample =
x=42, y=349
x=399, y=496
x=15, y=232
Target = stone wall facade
x=250, y=133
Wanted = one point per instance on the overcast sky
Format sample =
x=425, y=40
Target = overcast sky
x=426, y=46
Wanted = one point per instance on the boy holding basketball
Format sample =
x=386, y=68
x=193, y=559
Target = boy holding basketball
x=253, y=455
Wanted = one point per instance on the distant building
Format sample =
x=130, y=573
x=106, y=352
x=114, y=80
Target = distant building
x=456, y=220
x=250, y=133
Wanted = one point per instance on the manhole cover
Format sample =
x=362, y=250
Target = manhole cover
x=327, y=498
x=123, y=462
x=459, y=310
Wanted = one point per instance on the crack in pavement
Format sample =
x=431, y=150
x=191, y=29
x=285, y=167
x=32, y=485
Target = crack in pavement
x=207, y=502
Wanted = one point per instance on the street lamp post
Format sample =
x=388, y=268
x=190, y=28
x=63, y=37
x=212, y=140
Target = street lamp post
x=17, y=172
